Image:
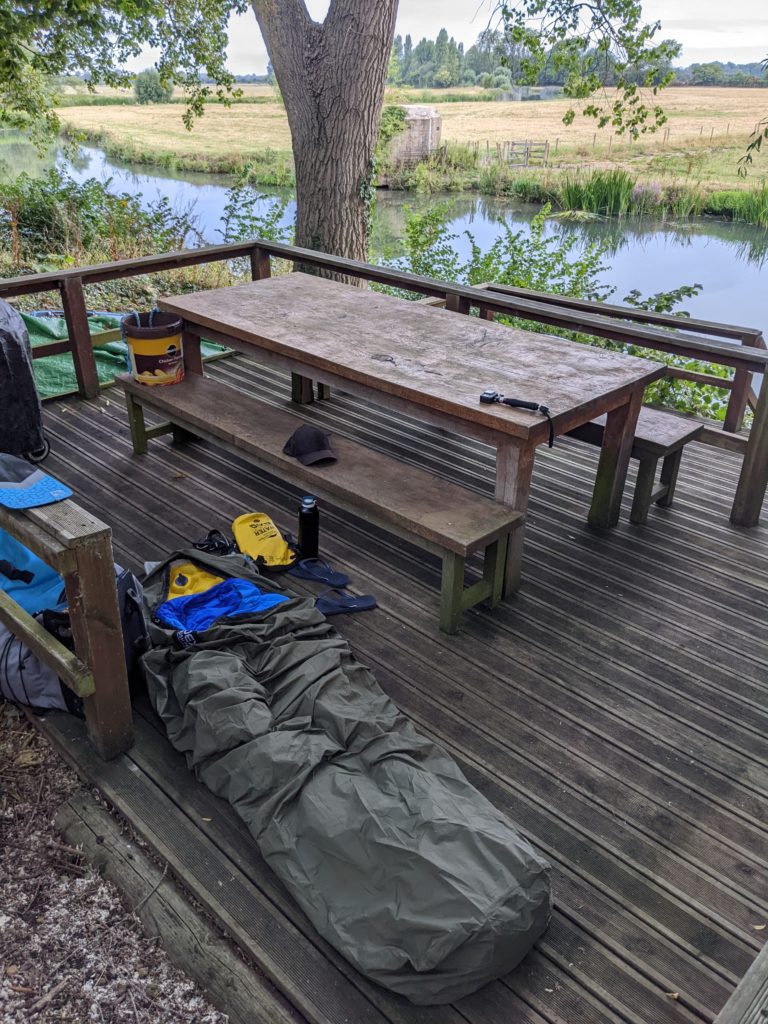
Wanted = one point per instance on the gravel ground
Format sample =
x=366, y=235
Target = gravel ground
x=69, y=951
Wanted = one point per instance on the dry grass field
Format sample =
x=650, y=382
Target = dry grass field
x=705, y=134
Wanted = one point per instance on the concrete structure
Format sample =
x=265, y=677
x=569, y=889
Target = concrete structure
x=419, y=138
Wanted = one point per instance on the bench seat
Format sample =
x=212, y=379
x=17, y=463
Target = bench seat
x=437, y=514
x=658, y=435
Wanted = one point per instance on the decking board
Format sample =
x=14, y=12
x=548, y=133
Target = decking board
x=615, y=709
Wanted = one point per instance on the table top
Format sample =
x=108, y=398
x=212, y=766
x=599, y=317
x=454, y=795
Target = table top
x=429, y=356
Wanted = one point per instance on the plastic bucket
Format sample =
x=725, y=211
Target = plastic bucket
x=154, y=347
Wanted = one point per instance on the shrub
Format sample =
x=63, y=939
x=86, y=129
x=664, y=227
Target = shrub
x=54, y=216
x=149, y=87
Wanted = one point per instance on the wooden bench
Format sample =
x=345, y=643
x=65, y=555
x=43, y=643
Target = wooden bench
x=79, y=547
x=659, y=435
x=434, y=513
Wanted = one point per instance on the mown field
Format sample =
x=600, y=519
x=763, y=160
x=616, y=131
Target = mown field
x=702, y=140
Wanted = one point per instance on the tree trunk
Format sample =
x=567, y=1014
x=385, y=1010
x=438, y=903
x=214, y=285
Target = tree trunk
x=332, y=78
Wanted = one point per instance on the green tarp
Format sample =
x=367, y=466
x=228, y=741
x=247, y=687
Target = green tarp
x=55, y=375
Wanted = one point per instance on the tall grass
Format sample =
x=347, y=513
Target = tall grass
x=610, y=193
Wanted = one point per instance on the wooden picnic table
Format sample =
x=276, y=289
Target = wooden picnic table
x=433, y=364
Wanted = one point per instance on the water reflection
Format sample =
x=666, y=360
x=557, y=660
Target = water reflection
x=729, y=260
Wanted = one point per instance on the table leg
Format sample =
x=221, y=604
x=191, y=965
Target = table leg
x=514, y=468
x=302, y=390
x=193, y=357
x=618, y=438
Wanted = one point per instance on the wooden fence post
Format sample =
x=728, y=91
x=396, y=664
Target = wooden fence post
x=260, y=264
x=76, y=316
x=753, y=478
x=457, y=303
x=737, y=401
x=98, y=637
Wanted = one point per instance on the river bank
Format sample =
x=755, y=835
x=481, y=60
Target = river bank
x=687, y=169
x=729, y=260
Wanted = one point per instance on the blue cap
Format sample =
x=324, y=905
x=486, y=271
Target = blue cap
x=25, y=486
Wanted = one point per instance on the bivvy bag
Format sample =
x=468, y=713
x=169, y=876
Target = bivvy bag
x=398, y=862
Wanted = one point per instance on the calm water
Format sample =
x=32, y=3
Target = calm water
x=729, y=260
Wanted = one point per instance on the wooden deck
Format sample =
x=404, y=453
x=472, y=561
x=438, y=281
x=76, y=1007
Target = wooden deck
x=616, y=710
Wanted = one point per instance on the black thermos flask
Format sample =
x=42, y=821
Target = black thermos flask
x=309, y=527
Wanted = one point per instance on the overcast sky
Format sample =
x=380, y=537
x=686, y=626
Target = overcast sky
x=708, y=30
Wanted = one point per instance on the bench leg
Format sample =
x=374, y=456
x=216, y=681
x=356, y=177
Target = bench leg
x=494, y=564
x=452, y=588
x=302, y=390
x=670, y=467
x=641, y=502
x=137, y=425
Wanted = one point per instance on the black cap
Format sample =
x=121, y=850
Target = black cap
x=309, y=445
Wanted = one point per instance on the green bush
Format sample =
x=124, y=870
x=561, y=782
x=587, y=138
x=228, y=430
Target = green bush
x=54, y=216
x=149, y=87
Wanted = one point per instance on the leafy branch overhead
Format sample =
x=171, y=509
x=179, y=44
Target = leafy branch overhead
x=595, y=45
x=46, y=39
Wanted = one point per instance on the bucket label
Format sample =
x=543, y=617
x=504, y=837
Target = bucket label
x=157, y=361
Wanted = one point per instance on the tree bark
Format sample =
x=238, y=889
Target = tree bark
x=332, y=78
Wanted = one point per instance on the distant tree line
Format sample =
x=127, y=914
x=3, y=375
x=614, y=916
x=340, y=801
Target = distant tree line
x=723, y=73
x=496, y=61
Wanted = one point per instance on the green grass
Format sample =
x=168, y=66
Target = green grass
x=267, y=167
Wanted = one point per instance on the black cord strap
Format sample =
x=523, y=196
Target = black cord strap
x=491, y=397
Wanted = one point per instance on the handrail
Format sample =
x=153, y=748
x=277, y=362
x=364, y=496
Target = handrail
x=549, y=312
x=629, y=326
x=642, y=316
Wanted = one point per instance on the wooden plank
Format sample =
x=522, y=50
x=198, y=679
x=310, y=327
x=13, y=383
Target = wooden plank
x=79, y=331
x=749, y=1002
x=753, y=479
x=402, y=496
x=641, y=316
x=33, y=536
x=648, y=705
x=47, y=648
x=98, y=638
x=187, y=937
x=724, y=439
x=435, y=359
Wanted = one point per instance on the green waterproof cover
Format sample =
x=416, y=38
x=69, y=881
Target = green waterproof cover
x=55, y=375
x=405, y=868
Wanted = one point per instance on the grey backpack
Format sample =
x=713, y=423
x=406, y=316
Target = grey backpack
x=24, y=679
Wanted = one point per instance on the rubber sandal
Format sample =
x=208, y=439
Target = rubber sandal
x=318, y=571
x=336, y=602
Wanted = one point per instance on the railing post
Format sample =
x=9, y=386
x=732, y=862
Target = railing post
x=753, y=479
x=76, y=316
x=260, y=264
x=457, y=303
x=737, y=403
x=98, y=637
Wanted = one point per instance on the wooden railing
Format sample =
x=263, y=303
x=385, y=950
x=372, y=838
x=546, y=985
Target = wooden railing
x=79, y=547
x=699, y=339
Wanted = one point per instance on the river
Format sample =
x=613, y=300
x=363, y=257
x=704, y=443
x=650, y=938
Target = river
x=729, y=260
